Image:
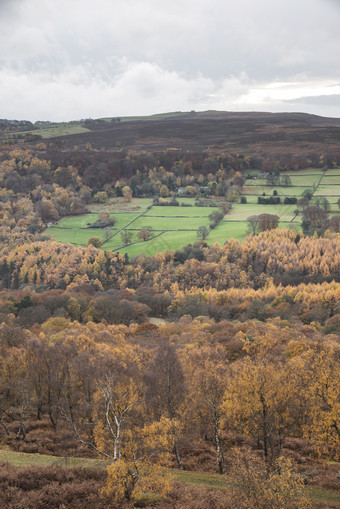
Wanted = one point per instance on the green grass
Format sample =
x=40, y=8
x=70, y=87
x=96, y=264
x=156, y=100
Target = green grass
x=57, y=130
x=301, y=180
x=323, y=494
x=171, y=223
x=306, y=171
x=24, y=459
x=115, y=205
x=240, y=212
x=268, y=190
x=167, y=240
x=77, y=221
x=333, y=171
x=326, y=190
x=330, y=180
x=226, y=230
x=181, y=211
x=122, y=219
x=76, y=236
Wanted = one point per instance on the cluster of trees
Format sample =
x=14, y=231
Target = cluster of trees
x=144, y=396
x=262, y=222
x=315, y=304
x=284, y=255
x=270, y=200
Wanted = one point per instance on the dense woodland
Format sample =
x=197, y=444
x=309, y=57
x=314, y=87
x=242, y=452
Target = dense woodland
x=212, y=358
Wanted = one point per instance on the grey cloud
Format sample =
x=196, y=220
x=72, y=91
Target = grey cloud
x=99, y=46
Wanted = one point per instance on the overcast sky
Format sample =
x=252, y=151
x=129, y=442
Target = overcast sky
x=72, y=59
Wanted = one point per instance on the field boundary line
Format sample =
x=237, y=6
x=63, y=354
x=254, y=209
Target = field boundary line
x=139, y=241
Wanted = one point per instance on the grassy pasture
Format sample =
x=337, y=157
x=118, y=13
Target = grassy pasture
x=302, y=180
x=240, y=212
x=174, y=227
x=77, y=221
x=76, y=236
x=116, y=240
x=226, y=230
x=167, y=240
x=328, y=190
x=122, y=219
x=171, y=223
x=330, y=180
x=24, y=459
x=333, y=171
x=181, y=211
x=258, y=190
x=57, y=130
x=115, y=205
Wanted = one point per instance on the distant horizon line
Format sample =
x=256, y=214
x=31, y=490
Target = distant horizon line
x=170, y=113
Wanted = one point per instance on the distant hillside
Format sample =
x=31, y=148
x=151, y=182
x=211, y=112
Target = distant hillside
x=252, y=132
x=217, y=131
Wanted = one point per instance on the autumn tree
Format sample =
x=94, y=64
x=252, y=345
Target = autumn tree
x=208, y=377
x=314, y=219
x=127, y=193
x=260, y=394
x=100, y=197
x=104, y=221
x=138, y=473
x=268, y=222
x=320, y=376
x=165, y=390
x=48, y=211
x=143, y=234
x=164, y=191
x=334, y=224
x=94, y=241
x=253, y=486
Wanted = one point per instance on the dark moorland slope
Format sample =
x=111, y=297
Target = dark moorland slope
x=218, y=131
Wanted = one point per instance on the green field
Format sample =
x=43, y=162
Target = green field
x=306, y=171
x=171, y=223
x=181, y=211
x=75, y=236
x=259, y=189
x=226, y=230
x=240, y=212
x=167, y=240
x=119, y=205
x=175, y=227
x=325, y=190
x=333, y=171
x=301, y=180
x=49, y=131
x=330, y=179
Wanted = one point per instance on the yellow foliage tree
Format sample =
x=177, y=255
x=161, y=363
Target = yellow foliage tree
x=141, y=471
